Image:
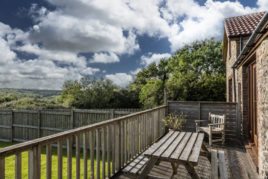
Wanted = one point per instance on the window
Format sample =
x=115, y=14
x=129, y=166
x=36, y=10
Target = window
x=230, y=90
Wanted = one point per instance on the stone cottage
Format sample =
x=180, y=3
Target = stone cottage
x=245, y=52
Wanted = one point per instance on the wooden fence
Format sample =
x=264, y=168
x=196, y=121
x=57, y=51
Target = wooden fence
x=199, y=110
x=107, y=147
x=23, y=125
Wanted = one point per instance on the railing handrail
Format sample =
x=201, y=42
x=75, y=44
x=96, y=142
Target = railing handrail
x=11, y=150
x=203, y=102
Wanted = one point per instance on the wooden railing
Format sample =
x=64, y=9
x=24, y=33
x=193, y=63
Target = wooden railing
x=105, y=147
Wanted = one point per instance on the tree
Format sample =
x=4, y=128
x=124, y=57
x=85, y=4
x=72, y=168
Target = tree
x=195, y=72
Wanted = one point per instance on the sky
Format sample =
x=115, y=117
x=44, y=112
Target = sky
x=46, y=42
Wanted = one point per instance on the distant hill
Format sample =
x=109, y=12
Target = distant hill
x=29, y=98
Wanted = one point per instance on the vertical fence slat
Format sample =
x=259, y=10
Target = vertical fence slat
x=109, y=134
x=103, y=152
x=69, y=158
x=85, y=154
x=98, y=153
x=59, y=153
x=17, y=166
x=92, y=158
x=48, y=161
x=77, y=155
x=2, y=168
x=34, y=163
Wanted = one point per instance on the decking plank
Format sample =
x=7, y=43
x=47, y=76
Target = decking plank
x=197, y=148
x=188, y=148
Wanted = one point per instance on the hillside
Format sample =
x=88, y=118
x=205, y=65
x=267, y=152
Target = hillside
x=29, y=98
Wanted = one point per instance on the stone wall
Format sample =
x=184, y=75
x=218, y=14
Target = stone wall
x=262, y=98
x=231, y=58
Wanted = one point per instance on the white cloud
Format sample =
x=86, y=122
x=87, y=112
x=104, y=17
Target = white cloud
x=105, y=58
x=263, y=4
x=120, y=79
x=48, y=70
x=201, y=21
x=153, y=58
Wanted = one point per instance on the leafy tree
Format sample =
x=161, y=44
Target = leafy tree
x=195, y=72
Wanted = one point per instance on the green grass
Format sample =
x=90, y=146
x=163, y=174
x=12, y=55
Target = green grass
x=10, y=163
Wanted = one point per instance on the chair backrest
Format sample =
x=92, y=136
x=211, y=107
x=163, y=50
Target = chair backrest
x=215, y=118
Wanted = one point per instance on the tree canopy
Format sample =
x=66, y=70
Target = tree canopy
x=195, y=72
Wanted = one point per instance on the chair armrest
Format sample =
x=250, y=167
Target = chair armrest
x=196, y=121
x=216, y=124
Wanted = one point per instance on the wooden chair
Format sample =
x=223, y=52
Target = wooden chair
x=216, y=125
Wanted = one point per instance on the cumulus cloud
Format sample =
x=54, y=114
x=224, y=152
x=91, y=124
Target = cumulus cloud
x=46, y=70
x=120, y=79
x=153, y=58
x=108, y=29
x=201, y=21
x=263, y=4
x=105, y=58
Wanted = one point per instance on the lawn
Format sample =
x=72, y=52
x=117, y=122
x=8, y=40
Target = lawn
x=10, y=163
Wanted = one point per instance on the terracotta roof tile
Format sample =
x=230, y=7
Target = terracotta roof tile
x=242, y=25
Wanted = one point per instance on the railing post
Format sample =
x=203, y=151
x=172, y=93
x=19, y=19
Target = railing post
x=2, y=168
x=34, y=163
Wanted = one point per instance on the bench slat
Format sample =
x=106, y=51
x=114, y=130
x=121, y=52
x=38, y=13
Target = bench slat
x=167, y=143
x=188, y=148
x=197, y=148
x=180, y=147
x=153, y=148
x=168, y=152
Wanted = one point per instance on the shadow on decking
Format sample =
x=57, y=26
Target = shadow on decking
x=239, y=166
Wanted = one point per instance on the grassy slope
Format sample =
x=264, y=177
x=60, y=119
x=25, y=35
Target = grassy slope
x=10, y=162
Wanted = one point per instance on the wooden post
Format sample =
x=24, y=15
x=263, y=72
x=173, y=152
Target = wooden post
x=17, y=166
x=48, y=161
x=112, y=113
x=11, y=126
x=2, y=168
x=34, y=163
x=39, y=123
x=72, y=118
x=199, y=105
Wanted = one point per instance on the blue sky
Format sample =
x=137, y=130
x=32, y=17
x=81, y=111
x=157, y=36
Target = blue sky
x=46, y=42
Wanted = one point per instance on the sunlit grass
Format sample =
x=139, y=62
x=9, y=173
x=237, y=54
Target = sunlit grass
x=10, y=165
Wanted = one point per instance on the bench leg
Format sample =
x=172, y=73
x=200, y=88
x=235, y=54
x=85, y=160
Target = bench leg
x=191, y=171
x=174, y=167
x=148, y=168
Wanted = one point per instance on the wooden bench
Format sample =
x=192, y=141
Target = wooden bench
x=216, y=125
x=175, y=147
x=218, y=165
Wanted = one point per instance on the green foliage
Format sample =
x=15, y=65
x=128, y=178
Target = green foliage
x=195, y=72
x=150, y=94
x=90, y=93
x=175, y=122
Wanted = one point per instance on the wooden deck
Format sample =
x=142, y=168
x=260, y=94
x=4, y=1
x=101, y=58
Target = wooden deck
x=239, y=166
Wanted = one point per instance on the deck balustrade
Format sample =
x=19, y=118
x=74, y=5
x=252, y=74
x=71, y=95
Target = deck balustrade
x=104, y=147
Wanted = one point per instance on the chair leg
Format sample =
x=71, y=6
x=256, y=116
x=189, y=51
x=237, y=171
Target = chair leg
x=210, y=139
x=223, y=138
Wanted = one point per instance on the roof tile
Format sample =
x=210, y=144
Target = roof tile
x=242, y=25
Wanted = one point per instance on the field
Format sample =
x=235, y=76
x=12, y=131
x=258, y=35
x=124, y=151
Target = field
x=10, y=163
